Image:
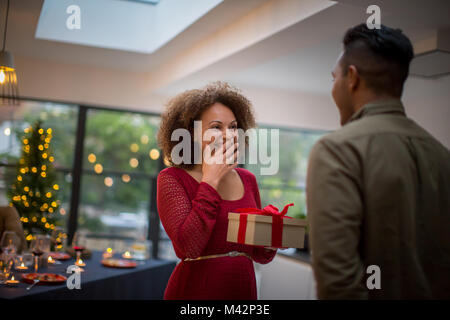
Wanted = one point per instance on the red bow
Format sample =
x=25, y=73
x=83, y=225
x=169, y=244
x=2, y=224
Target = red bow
x=277, y=222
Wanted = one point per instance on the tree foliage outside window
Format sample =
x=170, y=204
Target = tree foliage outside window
x=288, y=185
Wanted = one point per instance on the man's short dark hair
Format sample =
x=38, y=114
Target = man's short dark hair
x=381, y=56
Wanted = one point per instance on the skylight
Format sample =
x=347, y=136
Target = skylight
x=145, y=1
x=130, y=25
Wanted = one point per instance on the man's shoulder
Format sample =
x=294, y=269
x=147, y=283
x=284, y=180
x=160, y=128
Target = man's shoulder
x=379, y=126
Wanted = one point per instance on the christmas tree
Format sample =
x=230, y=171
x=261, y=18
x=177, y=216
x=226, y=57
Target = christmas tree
x=34, y=192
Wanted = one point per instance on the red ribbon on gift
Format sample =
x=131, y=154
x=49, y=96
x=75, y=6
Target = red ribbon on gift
x=277, y=222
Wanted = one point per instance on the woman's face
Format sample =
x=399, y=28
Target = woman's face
x=218, y=119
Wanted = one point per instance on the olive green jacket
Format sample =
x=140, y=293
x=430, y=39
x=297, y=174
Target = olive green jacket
x=378, y=193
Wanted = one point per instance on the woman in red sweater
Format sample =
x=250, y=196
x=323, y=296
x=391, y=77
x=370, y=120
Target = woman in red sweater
x=194, y=199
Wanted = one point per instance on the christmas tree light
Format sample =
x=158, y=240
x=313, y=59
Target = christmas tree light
x=34, y=193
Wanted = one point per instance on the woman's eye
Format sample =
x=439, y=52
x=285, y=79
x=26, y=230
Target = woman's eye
x=233, y=127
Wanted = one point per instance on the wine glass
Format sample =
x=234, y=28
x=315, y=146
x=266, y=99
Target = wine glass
x=78, y=245
x=39, y=245
x=9, y=243
x=5, y=267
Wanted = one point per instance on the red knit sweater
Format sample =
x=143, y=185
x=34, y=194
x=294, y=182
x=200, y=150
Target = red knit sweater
x=195, y=218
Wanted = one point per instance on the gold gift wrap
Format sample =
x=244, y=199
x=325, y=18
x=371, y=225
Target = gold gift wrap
x=259, y=230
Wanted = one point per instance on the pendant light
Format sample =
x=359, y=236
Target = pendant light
x=8, y=79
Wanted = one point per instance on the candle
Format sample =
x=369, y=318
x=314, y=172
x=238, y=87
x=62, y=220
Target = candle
x=12, y=282
x=80, y=263
x=127, y=255
x=22, y=267
x=108, y=253
x=50, y=260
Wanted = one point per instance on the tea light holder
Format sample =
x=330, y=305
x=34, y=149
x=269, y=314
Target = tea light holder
x=127, y=255
x=22, y=267
x=108, y=253
x=50, y=260
x=12, y=282
x=80, y=263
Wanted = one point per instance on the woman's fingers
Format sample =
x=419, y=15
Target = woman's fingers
x=230, y=155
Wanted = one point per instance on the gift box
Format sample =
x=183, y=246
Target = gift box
x=266, y=227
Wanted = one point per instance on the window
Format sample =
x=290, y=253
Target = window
x=61, y=118
x=120, y=161
x=288, y=185
x=118, y=165
x=116, y=175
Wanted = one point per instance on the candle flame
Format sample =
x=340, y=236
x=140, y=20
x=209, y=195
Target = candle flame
x=22, y=265
x=12, y=278
x=109, y=250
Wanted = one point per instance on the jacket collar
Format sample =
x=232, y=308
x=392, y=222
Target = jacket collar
x=379, y=107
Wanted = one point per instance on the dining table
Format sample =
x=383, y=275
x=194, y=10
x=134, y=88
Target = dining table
x=146, y=281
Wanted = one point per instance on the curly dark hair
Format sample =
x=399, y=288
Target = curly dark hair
x=182, y=110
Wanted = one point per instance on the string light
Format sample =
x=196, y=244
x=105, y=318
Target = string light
x=154, y=154
x=126, y=178
x=134, y=162
x=144, y=139
x=109, y=181
x=7, y=131
x=92, y=158
x=98, y=168
x=134, y=147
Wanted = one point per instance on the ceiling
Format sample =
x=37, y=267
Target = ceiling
x=297, y=58
x=24, y=18
x=308, y=69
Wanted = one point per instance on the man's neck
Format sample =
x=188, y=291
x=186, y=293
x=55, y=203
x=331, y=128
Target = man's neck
x=370, y=97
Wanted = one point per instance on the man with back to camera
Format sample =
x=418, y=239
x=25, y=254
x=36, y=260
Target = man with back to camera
x=378, y=189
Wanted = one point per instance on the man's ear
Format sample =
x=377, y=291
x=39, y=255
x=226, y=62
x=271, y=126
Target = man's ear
x=353, y=78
